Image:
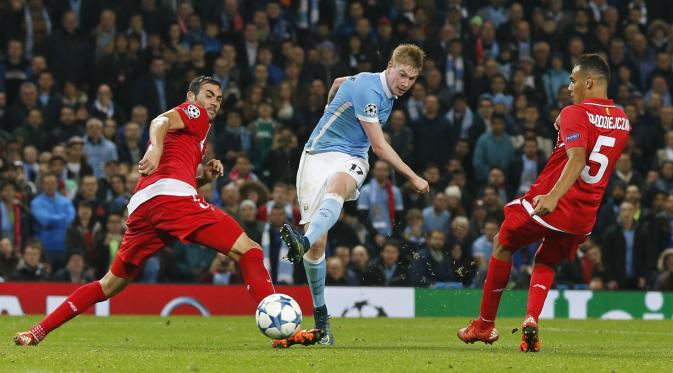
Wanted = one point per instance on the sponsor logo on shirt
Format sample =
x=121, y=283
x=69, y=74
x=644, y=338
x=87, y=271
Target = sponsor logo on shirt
x=192, y=111
x=371, y=110
x=572, y=137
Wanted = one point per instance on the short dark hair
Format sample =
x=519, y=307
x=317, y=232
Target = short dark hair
x=595, y=63
x=198, y=82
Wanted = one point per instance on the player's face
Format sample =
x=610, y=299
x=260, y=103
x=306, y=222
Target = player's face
x=579, y=83
x=401, y=78
x=210, y=97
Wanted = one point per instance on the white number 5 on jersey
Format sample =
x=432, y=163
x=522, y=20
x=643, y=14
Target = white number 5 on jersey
x=599, y=158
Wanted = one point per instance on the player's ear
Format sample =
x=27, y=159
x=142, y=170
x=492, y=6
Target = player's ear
x=190, y=96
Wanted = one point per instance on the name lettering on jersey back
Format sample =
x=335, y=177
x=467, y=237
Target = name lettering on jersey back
x=610, y=123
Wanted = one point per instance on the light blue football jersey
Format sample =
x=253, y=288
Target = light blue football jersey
x=363, y=97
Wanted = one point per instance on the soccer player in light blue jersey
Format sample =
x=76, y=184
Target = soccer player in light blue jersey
x=334, y=165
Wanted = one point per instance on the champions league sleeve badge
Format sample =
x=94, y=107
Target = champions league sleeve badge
x=192, y=111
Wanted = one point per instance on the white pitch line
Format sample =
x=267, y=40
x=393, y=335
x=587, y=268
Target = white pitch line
x=601, y=331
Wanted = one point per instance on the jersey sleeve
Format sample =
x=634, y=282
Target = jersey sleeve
x=192, y=115
x=366, y=102
x=574, y=127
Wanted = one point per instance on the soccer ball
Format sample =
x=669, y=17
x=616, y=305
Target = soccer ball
x=278, y=316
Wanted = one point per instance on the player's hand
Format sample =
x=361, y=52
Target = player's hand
x=557, y=122
x=544, y=204
x=213, y=169
x=420, y=185
x=150, y=161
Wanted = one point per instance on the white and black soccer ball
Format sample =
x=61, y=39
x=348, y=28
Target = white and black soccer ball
x=278, y=316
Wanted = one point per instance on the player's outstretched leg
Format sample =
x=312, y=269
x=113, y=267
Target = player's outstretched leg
x=499, y=268
x=79, y=301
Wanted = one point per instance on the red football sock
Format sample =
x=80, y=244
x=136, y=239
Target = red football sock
x=255, y=275
x=496, y=281
x=79, y=301
x=540, y=283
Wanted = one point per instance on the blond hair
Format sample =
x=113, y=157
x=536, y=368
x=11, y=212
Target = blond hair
x=408, y=54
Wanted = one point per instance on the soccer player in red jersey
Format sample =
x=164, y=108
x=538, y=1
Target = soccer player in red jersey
x=560, y=207
x=166, y=207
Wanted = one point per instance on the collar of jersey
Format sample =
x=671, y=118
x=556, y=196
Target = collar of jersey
x=382, y=76
x=599, y=101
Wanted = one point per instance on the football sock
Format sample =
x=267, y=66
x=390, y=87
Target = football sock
x=540, y=283
x=255, y=275
x=316, y=270
x=496, y=281
x=326, y=216
x=320, y=315
x=79, y=301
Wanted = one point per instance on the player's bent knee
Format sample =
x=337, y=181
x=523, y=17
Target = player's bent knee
x=112, y=284
x=242, y=245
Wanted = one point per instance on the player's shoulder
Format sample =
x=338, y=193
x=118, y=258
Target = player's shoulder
x=191, y=110
x=574, y=109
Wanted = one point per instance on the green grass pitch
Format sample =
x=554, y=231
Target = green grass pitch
x=233, y=344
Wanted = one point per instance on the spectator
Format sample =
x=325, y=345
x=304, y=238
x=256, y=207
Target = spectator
x=88, y=192
x=664, y=281
x=153, y=90
x=280, y=197
x=627, y=251
x=69, y=51
x=79, y=238
x=387, y=269
x=9, y=259
x=483, y=245
x=131, y=149
x=53, y=214
x=262, y=130
x=98, y=149
x=30, y=267
x=282, y=161
x=15, y=221
x=380, y=204
x=74, y=271
x=18, y=112
x=106, y=244
x=103, y=107
x=14, y=69
x=233, y=139
x=524, y=169
x=248, y=219
x=336, y=272
x=431, y=127
x=358, y=265
x=222, y=272
x=401, y=137
x=494, y=149
x=242, y=170
x=66, y=128
x=274, y=249
x=432, y=264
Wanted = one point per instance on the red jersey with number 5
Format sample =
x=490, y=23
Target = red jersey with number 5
x=183, y=149
x=603, y=130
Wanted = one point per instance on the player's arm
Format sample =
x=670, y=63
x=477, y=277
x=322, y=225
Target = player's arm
x=545, y=204
x=159, y=127
x=335, y=87
x=386, y=152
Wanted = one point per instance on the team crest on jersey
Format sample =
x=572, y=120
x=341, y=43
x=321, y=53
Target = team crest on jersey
x=192, y=111
x=371, y=110
x=572, y=137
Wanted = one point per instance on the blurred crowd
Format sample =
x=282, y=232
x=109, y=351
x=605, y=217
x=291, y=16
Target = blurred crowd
x=80, y=81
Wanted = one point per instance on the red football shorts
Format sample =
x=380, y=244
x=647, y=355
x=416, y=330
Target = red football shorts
x=520, y=229
x=158, y=222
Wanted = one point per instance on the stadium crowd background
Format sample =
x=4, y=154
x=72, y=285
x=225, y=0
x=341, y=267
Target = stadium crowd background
x=80, y=81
